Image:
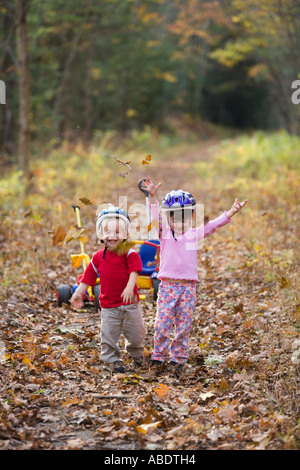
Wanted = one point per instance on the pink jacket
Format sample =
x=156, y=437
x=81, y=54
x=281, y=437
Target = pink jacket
x=178, y=254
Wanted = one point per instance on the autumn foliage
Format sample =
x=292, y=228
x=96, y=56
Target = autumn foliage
x=240, y=387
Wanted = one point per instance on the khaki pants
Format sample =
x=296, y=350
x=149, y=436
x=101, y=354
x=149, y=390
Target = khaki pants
x=128, y=318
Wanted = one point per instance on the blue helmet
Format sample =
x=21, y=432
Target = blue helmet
x=178, y=199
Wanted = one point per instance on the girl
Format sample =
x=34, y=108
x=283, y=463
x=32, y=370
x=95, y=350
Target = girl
x=178, y=269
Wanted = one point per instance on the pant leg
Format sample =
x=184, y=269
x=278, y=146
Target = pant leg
x=166, y=302
x=183, y=323
x=134, y=330
x=111, y=325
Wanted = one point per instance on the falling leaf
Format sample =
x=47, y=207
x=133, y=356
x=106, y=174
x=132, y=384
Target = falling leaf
x=123, y=174
x=85, y=201
x=75, y=233
x=59, y=236
x=147, y=160
x=123, y=163
x=27, y=212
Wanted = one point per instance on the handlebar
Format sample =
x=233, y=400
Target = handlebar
x=141, y=189
x=144, y=242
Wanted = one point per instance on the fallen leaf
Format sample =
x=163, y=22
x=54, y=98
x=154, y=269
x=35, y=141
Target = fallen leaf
x=228, y=413
x=106, y=429
x=144, y=428
x=76, y=443
x=71, y=401
x=205, y=396
x=162, y=390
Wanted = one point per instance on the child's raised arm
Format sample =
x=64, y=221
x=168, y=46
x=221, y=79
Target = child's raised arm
x=152, y=189
x=236, y=207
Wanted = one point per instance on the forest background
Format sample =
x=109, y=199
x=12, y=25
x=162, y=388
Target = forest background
x=209, y=89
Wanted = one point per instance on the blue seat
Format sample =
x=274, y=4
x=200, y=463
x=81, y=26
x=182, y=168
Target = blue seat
x=147, y=254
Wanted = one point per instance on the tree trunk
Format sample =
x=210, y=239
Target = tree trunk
x=24, y=85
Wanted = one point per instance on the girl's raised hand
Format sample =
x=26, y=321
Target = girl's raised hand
x=149, y=186
x=236, y=207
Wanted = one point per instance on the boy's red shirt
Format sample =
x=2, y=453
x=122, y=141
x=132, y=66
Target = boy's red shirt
x=114, y=271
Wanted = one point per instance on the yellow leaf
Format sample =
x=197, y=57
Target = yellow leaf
x=147, y=160
x=169, y=77
x=26, y=360
x=283, y=282
x=131, y=113
x=96, y=73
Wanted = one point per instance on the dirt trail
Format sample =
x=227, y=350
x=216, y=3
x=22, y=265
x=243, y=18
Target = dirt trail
x=237, y=390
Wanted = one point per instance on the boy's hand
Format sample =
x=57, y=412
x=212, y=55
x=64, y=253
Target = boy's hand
x=236, y=207
x=76, y=301
x=127, y=295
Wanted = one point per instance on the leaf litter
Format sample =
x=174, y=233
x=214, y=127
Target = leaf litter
x=239, y=389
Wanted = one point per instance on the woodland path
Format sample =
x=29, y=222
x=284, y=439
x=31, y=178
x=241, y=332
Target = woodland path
x=237, y=390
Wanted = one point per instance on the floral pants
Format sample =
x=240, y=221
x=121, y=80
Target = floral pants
x=175, y=306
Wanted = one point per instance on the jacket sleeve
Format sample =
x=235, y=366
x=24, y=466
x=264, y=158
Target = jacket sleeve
x=205, y=230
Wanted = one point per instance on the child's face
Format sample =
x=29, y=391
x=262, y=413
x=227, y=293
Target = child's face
x=179, y=221
x=113, y=231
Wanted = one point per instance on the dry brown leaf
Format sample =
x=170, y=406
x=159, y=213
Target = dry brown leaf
x=126, y=163
x=85, y=201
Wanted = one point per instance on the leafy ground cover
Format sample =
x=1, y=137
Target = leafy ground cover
x=240, y=387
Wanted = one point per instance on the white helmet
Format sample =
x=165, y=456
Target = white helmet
x=109, y=213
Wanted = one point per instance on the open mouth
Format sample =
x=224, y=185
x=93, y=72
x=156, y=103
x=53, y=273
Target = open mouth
x=112, y=242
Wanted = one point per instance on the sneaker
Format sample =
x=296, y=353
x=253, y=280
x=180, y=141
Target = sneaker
x=118, y=367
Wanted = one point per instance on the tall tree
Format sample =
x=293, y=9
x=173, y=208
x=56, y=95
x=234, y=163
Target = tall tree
x=267, y=32
x=24, y=84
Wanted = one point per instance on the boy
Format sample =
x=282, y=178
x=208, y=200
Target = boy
x=118, y=268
